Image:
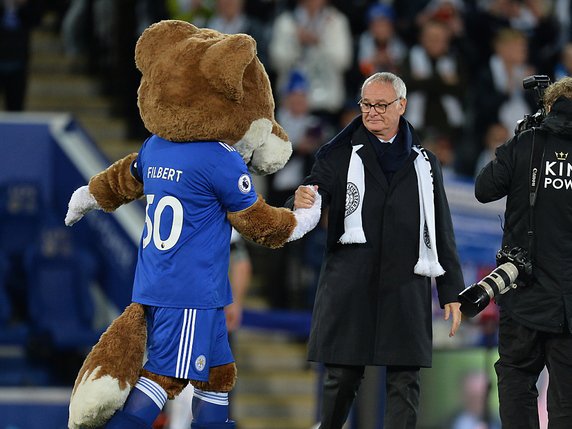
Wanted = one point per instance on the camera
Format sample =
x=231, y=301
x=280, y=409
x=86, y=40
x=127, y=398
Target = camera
x=512, y=263
x=538, y=83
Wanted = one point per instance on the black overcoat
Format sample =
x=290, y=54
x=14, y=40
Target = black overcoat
x=370, y=307
x=546, y=304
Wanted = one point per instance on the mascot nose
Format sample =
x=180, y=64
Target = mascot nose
x=263, y=151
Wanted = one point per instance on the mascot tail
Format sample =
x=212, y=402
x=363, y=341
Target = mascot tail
x=109, y=371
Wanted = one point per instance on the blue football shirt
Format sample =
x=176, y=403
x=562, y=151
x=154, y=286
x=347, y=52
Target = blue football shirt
x=184, y=251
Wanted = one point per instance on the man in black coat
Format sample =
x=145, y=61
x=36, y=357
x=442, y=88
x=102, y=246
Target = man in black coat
x=389, y=232
x=536, y=318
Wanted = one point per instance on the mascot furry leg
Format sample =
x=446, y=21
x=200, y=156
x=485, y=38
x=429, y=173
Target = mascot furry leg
x=110, y=370
x=113, y=368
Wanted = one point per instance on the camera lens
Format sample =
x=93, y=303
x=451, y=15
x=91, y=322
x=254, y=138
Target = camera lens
x=473, y=300
x=476, y=297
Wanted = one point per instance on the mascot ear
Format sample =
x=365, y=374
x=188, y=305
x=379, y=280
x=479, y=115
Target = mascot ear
x=158, y=38
x=224, y=63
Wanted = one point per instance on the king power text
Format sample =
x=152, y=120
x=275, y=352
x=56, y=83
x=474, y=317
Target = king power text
x=558, y=175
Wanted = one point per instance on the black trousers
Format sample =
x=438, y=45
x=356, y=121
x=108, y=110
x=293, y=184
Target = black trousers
x=523, y=354
x=341, y=384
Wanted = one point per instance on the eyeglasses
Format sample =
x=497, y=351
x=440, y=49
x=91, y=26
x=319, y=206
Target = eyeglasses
x=380, y=108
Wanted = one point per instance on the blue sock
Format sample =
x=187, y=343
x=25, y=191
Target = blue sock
x=146, y=400
x=210, y=407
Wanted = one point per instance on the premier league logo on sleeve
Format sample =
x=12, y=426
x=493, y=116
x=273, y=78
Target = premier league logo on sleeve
x=244, y=184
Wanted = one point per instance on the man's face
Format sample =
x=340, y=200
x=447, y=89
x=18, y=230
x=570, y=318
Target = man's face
x=382, y=125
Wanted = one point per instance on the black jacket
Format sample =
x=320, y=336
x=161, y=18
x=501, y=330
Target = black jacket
x=370, y=308
x=546, y=304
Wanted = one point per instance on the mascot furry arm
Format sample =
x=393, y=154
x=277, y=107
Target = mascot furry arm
x=196, y=85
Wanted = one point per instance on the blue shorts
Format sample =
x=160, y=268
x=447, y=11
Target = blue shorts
x=185, y=342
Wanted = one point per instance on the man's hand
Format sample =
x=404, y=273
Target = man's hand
x=454, y=309
x=307, y=37
x=304, y=197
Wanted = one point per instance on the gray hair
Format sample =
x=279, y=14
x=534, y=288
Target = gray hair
x=386, y=77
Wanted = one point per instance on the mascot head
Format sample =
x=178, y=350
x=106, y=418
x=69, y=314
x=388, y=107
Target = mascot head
x=200, y=84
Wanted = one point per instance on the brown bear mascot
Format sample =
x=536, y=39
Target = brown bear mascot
x=207, y=101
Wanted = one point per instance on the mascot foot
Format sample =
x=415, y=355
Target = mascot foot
x=121, y=420
x=230, y=424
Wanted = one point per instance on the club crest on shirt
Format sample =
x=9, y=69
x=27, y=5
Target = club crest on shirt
x=200, y=362
x=244, y=184
x=352, y=198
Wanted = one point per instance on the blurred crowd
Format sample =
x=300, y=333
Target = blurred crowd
x=463, y=62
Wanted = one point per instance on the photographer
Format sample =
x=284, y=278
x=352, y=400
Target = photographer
x=533, y=170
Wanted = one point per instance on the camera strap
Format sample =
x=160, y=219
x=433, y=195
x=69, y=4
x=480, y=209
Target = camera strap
x=536, y=159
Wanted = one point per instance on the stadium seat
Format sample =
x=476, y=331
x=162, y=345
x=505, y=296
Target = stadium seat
x=59, y=277
x=11, y=332
x=20, y=214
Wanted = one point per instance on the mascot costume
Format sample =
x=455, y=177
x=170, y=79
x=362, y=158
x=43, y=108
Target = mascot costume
x=207, y=101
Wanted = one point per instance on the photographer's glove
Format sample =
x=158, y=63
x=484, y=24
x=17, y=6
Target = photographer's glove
x=81, y=202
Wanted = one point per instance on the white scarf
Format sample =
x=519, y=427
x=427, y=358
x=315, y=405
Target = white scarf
x=355, y=193
x=428, y=263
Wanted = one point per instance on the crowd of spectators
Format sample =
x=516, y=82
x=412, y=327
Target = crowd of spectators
x=463, y=60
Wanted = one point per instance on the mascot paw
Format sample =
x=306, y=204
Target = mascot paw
x=307, y=219
x=95, y=399
x=80, y=203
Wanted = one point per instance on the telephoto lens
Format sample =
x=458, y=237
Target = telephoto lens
x=476, y=297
